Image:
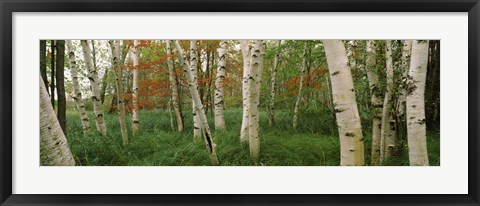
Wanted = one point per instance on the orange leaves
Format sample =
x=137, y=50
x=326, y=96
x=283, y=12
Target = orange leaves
x=311, y=81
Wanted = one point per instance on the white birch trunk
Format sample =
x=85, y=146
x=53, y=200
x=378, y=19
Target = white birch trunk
x=219, y=81
x=273, y=87
x=255, y=79
x=416, y=127
x=376, y=100
x=54, y=150
x=135, y=120
x=115, y=47
x=192, y=85
x=346, y=111
x=93, y=77
x=77, y=94
x=406, y=53
x=174, y=88
x=197, y=133
x=244, y=134
x=387, y=138
x=300, y=86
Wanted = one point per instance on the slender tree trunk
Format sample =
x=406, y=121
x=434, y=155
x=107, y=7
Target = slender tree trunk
x=211, y=147
x=406, y=53
x=169, y=107
x=416, y=128
x=219, y=82
x=348, y=119
x=52, y=74
x=174, y=88
x=43, y=62
x=54, y=149
x=135, y=120
x=77, y=94
x=60, y=78
x=271, y=120
x=388, y=138
x=244, y=134
x=300, y=86
x=376, y=100
x=197, y=133
x=254, y=99
x=115, y=47
x=103, y=88
x=92, y=76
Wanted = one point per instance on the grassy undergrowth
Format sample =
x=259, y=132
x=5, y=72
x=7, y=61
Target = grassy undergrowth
x=313, y=143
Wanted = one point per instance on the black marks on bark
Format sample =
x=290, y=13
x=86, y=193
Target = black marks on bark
x=91, y=79
x=99, y=115
x=349, y=134
x=209, y=142
x=335, y=73
x=135, y=122
x=421, y=121
x=338, y=110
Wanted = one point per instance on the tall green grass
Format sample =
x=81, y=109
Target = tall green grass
x=313, y=143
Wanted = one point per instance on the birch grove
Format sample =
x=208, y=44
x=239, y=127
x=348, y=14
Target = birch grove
x=317, y=104
x=348, y=120
x=200, y=112
x=93, y=77
x=416, y=128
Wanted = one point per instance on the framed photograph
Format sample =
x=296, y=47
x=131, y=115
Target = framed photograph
x=270, y=102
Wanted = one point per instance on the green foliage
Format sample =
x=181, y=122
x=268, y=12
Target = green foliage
x=314, y=142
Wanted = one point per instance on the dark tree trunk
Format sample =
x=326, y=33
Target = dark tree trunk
x=62, y=102
x=432, y=90
x=52, y=74
x=43, y=62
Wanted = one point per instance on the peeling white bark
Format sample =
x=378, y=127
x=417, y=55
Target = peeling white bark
x=135, y=120
x=93, y=77
x=255, y=79
x=115, y=47
x=197, y=133
x=245, y=89
x=416, y=123
x=388, y=138
x=54, y=149
x=346, y=111
x=77, y=94
x=192, y=85
x=376, y=100
x=219, y=81
x=273, y=87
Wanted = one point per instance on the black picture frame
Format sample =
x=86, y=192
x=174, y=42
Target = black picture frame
x=7, y=7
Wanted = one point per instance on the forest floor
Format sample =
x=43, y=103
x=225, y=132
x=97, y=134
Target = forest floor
x=313, y=143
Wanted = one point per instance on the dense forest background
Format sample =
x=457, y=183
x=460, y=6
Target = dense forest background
x=240, y=102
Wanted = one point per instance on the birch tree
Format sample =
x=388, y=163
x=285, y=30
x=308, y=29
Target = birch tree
x=416, y=127
x=93, y=77
x=255, y=79
x=375, y=99
x=135, y=120
x=197, y=133
x=273, y=87
x=115, y=47
x=219, y=81
x=406, y=53
x=387, y=138
x=174, y=89
x=244, y=131
x=300, y=86
x=77, y=94
x=346, y=111
x=200, y=111
x=54, y=150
